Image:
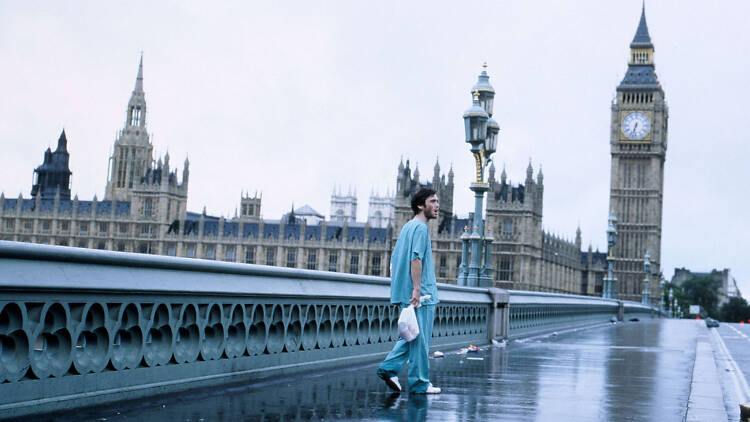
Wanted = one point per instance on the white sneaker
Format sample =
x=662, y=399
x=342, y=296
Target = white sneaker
x=392, y=383
x=432, y=390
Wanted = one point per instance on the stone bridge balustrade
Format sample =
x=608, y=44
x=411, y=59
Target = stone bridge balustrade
x=82, y=327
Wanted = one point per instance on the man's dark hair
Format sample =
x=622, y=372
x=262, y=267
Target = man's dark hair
x=420, y=197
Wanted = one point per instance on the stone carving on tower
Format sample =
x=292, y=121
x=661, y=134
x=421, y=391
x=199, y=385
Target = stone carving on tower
x=407, y=184
x=638, y=144
x=152, y=188
x=53, y=176
x=344, y=205
x=380, y=210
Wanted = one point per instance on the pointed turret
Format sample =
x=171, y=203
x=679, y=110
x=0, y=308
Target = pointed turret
x=62, y=143
x=54, y=173
x=640, y=74
x=578, y=237
x=642, y=38
x=529, y=172
x=503, y=176
x=136, y=114
x=139, y=78
x=540, y=176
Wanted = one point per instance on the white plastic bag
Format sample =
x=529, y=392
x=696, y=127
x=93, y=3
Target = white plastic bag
x=408, y=328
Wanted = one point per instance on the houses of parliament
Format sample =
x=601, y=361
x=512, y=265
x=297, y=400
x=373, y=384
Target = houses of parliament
x=144, y=208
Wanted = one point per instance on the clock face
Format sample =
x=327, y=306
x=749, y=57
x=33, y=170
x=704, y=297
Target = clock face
x=636, y=125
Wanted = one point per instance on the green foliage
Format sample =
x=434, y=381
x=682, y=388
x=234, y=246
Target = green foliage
x=704, y=291
x=736, y=310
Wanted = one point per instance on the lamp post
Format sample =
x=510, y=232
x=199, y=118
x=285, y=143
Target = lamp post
x=672, y=301
x=661, y=295
x=646, y=294
x=610, y=280
x=481, y=134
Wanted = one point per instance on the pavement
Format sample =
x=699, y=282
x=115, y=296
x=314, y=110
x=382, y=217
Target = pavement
x=649, y=370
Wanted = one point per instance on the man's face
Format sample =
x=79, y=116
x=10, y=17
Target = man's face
x=431, y=207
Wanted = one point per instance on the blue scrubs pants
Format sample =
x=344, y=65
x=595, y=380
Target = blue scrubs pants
x=416, y=352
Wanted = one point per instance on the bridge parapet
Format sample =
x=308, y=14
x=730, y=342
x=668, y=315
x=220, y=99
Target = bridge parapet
x=82, y=327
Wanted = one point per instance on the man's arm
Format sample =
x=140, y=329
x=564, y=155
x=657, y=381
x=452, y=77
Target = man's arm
x=416, y=279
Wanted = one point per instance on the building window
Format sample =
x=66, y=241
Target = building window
x=83, y=227
x=83, y=244
x=145, y=229
x=250, y=255
x=507, y=228
x=229, y=254
x=103, y=227
x=354, y=263
x=123, y=228
x=171, y=249
x=62, y=242
x=312, y=260
x=64, y=226
x=210, y=252
x=144, y=248
x=271, y=256
x=291, y=258
x=443, y=265
x=9, y=224
x=333, y=261
x=505, y=269
x=148, y=208
x=46, y=225
x=375, y=267
x=190, y=251
x=28, y=226
x=101, y=245
x=121, y=247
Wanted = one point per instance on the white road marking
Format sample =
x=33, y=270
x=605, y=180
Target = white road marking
x=739, y=332
x=738, y=378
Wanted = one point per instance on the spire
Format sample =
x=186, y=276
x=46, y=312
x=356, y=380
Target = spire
x=540, y=176
x=529, y=171
x=503, y=176
x=136, y=113
x=139, y=78
x=62, y=143
x=642, y=38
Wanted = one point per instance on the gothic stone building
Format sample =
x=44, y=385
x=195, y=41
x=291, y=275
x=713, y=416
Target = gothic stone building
x=524, y=256
x=144, y=211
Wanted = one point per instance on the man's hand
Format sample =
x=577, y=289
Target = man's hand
x=415, y=297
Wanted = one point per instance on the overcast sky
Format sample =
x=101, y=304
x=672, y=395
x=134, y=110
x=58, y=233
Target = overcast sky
x=291, y=98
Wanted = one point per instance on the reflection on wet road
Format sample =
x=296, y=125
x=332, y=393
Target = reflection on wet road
x=631, y=371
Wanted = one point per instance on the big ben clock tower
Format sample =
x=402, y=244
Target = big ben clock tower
x=638, y=141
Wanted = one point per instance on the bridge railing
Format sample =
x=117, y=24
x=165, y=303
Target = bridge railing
x=82, y=327
x=534, y=313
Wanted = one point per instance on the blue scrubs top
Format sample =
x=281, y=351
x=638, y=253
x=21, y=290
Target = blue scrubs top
x=413, y=243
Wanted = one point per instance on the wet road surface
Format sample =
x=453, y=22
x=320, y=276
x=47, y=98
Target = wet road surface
x=731, y=343
x=630, y=371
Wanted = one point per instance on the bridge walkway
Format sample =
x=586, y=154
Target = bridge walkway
x=629, y=371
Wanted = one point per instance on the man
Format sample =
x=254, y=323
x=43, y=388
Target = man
x=413, y=276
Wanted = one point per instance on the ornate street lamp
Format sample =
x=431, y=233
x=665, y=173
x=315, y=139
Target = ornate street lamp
x=646, y=294
x=609, y=282
x=481, y=134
